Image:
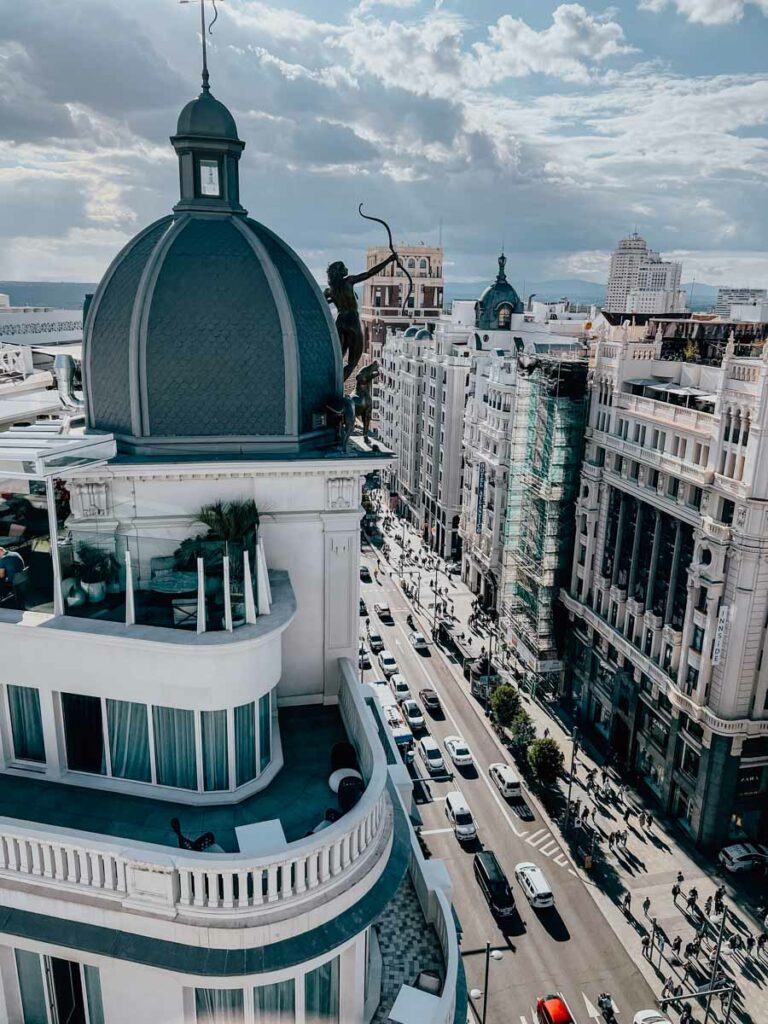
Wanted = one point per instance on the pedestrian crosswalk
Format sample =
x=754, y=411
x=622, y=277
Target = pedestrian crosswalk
x=544, y=842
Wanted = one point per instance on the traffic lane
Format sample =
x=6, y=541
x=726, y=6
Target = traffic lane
x=600, y=963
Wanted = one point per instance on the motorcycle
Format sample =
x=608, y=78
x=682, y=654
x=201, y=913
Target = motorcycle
x=605, y=1004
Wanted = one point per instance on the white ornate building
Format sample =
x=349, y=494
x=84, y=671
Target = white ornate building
x=174, y=845
x=668, y=598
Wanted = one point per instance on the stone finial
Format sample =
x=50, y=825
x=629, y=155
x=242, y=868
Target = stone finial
x=730, y=347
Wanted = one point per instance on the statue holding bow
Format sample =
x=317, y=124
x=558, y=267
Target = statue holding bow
x=341, y=292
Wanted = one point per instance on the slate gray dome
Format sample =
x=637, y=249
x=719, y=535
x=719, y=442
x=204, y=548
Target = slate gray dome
x=498, y=302
x=206, y=117
x=208, y=335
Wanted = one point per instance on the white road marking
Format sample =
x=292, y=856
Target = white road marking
x=435, y=831
x=538, y=837
x=523, y=1020
x=550, y=848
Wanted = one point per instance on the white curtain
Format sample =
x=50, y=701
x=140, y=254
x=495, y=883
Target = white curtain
x=245, y=743
x=129, y=740
x=265, y=732
x=321, y=993
x=219, y=1005
x=214, y=732
x=275, y=1004
x=175, y=762
x=26, y=724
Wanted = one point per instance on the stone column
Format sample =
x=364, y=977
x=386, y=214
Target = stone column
x=654, y=561
x=619, y=539
x=673, y=572
x=635, y=560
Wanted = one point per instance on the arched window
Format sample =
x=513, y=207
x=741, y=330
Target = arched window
x=411, y=264
x=504, y=315
x=423, y=265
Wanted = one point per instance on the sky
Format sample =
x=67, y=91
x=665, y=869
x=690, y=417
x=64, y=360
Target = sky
x=551, y=128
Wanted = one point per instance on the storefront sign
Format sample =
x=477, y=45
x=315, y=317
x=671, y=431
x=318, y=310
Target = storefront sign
x=721, y=634
x=480, y=498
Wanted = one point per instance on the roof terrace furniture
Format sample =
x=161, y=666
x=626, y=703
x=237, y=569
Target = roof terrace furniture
x=174, y=583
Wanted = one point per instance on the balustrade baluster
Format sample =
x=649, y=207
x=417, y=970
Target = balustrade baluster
x=185, y=887
x=272, y=893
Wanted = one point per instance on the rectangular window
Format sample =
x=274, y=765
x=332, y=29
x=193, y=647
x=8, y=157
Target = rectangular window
x=128, y=740
x=245, y=743
x=697, y=639
x=219, y=1005
x=321, y=993
x=634, y=470
x=175, y=757
x=653, y=478
x=213, y=725
x=673, y=487
x=31, y=987
x=26, y=723
x=83, y=733
x=694, y=497
x=275, y=1004
x=58, y=990
x=265, y=731
x=726, y=511
x=692, y=678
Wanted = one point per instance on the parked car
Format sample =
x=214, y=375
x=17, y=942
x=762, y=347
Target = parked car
x=413, y=716
x=419, y=641
x=364, y=657
x=384, y=613
x=375, y=640
x=431, y=701
x=363, y=607
x=537, y=889
x=365, y=574
x=553, y=1009
x=431, y=756
x=743, y=857
x=493, y=883
x=454, y=568
x=388, y=663
x=458, y=750
x=458, y=813
x=507, y=782
x=400, y=687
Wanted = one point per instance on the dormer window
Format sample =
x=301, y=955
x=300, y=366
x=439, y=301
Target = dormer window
x=505, y=315
x=209, y=184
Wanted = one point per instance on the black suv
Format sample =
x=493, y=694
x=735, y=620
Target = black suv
x=494, y=884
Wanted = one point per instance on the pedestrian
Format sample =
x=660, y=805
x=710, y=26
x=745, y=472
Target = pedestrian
x=762, y=938
x=692, y=897
x=624, y=838
x=676, y=944
x=646, y=943
x=750, y=944
x=648, y=822
x=687, y=968
x=646, y=905
x=680, y=878
x=546, y=733
x=642, y=818
x=675, y=892
x=662, y=942
x=686, y=1014
x=610, y=840
x=594, y=814
x=585, y=815
x=627, y=816
x=708, y=906
x=689, y=949
x=668, y=987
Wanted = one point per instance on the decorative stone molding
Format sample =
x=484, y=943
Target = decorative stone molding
x=341, y=493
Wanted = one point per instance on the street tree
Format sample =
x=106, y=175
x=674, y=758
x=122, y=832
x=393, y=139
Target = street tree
x=505, y=704
x=522, y=731
x=546, y=760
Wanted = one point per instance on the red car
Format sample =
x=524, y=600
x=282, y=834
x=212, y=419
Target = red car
x=553, y=1009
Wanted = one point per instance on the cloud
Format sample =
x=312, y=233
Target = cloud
x=568, y=49
x=707, y=12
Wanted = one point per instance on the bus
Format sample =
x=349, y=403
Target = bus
x=393, y=716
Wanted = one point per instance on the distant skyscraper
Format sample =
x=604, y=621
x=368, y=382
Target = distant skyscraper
x=727, y=297
x=641, y=282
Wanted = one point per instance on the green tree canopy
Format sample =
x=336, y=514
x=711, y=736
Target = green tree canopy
x=546, y=760
x=505, y=704
x=522, y=731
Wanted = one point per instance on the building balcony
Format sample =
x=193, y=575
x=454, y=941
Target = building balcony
x=75, y=844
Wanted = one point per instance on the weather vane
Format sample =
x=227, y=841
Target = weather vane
x=206, y=86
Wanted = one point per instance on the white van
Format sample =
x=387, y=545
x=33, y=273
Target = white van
x=535, y=886
x=507, y=782
x=458, y=813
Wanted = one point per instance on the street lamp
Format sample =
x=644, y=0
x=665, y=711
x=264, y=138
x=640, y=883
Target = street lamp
x=476, y=993
x=574, y=751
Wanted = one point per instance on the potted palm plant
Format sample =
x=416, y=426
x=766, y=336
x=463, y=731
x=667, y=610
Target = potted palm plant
x=94, y=567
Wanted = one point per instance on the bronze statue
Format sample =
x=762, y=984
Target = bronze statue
x=341, y=292
x=359, y=405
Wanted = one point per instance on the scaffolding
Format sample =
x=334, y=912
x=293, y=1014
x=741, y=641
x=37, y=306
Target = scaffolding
x=545, y=459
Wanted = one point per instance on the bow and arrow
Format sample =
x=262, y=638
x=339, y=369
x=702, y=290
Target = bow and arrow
x=392, y=249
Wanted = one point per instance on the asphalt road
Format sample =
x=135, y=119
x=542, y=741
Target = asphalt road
x=572, y=948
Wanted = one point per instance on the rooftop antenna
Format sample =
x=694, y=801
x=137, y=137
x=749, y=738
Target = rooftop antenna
x=440, y=234
x=206, y=86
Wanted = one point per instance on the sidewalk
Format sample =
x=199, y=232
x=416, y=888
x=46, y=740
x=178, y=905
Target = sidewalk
x=649, y=865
